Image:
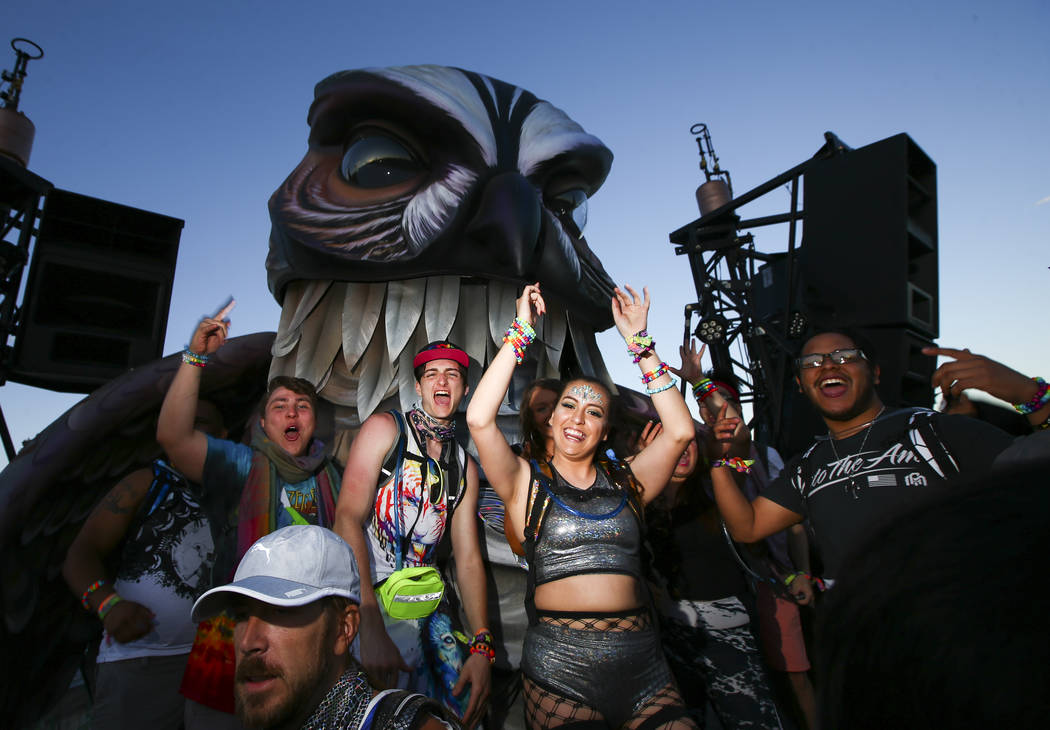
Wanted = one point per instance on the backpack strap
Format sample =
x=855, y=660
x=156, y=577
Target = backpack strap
x=535, y=508
x=398, y=455
x=399, y=708
x=164, y=478
x=928, y=444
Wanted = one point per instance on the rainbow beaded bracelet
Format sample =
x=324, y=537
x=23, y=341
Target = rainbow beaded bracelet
x=735, y=463
x=1040, y=399
x=192, y=358
x=520, y=335
x=661, y=369
x=703, y=389
x=91, y=589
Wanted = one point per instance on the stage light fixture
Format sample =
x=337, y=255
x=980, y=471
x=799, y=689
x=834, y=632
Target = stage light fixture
x=712, y=329
x=797, y=325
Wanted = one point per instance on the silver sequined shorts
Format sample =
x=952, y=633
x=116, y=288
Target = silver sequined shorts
x=614, y=672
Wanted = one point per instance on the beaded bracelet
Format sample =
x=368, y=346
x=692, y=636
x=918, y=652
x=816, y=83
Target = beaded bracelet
x=736, y=463
x=520, y=335
x=703, y=389
x=662, y=388
x=816, y=580
x=639, y=345
x=107, y=605
x=192, y=358
x=91, y=589
x=661, y=369
x=1040, y=399
x=482, y=644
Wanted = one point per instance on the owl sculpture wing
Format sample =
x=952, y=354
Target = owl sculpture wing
x=47, y=492
x=427, y=196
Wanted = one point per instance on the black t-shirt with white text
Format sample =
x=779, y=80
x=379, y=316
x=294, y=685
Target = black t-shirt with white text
x=848, y=487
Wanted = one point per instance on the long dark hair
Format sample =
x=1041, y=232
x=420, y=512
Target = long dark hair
x=534, y=441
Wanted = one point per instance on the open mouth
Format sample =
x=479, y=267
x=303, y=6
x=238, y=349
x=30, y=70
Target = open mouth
x=442, y=397
x=833, y=387
x=257, y=678
x=571, y=434
x=291, y=433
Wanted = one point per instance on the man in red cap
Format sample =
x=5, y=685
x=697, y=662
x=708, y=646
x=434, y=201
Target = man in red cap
x=407, y=482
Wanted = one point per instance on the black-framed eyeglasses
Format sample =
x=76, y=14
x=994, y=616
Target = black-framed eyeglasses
x=839, y=357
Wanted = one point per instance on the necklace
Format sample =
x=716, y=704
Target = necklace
x=430, y=426
x=851, y=486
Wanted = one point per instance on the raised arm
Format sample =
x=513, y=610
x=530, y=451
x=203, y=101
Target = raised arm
x=357, y=496
x=470, y=580
x=99, y=537
x=185, y=446
x=655, y=463
x=746, y=521
x=967, y=370
x=505, y=471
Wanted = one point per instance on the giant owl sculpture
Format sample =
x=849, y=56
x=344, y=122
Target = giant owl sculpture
x=427, y=196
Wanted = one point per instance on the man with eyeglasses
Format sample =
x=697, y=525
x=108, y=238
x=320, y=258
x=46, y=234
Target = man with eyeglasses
x=873, y=462
x=407, y=482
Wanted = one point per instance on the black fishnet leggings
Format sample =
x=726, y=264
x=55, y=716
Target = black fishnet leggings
x=546, y=709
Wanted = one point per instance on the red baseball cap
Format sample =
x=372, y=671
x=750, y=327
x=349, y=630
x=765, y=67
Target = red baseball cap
x=441, y=350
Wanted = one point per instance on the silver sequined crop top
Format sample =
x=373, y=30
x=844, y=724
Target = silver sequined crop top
x=570, y=544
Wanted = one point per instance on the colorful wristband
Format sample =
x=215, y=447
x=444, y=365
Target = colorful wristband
x=818, y=582
x=1040, y=399
x=192, y=358
x=520, y=335
x=639, y=345
x=661, y=388
x=661, y=369
x=703, y=389
x=107, y=605
x=735, y=463
x=91, y=589
x=482, y=644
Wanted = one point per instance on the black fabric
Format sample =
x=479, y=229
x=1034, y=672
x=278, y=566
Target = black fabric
x=909, y=455
x=402, y=708
x=662, y=716
x=690, y=553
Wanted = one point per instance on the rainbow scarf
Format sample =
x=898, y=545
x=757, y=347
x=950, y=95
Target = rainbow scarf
x=272, y=467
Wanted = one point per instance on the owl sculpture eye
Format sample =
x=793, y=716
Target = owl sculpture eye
x=377, y=160
x=570, y=205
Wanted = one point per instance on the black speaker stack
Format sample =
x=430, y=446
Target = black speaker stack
x=868, y=261
x=97, y=296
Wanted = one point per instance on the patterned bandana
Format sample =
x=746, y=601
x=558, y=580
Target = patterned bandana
x=345, y=705
x=431, y=427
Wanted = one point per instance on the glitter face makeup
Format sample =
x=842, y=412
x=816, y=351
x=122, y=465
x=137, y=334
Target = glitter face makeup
x=586, y=392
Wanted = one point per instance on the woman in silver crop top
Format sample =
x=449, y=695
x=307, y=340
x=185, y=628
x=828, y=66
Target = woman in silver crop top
x=591, y=655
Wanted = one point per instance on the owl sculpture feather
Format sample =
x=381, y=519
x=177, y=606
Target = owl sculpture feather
x=427, y=196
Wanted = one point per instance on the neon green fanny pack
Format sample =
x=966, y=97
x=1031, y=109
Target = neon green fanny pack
x=411, y=593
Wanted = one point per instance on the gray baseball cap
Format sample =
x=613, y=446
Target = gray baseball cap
x=293, y=566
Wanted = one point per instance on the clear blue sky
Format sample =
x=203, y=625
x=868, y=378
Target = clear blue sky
x=198, y=111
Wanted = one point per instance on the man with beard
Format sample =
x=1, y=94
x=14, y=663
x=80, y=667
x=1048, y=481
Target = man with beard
x=873, y=462
x=294, y=602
